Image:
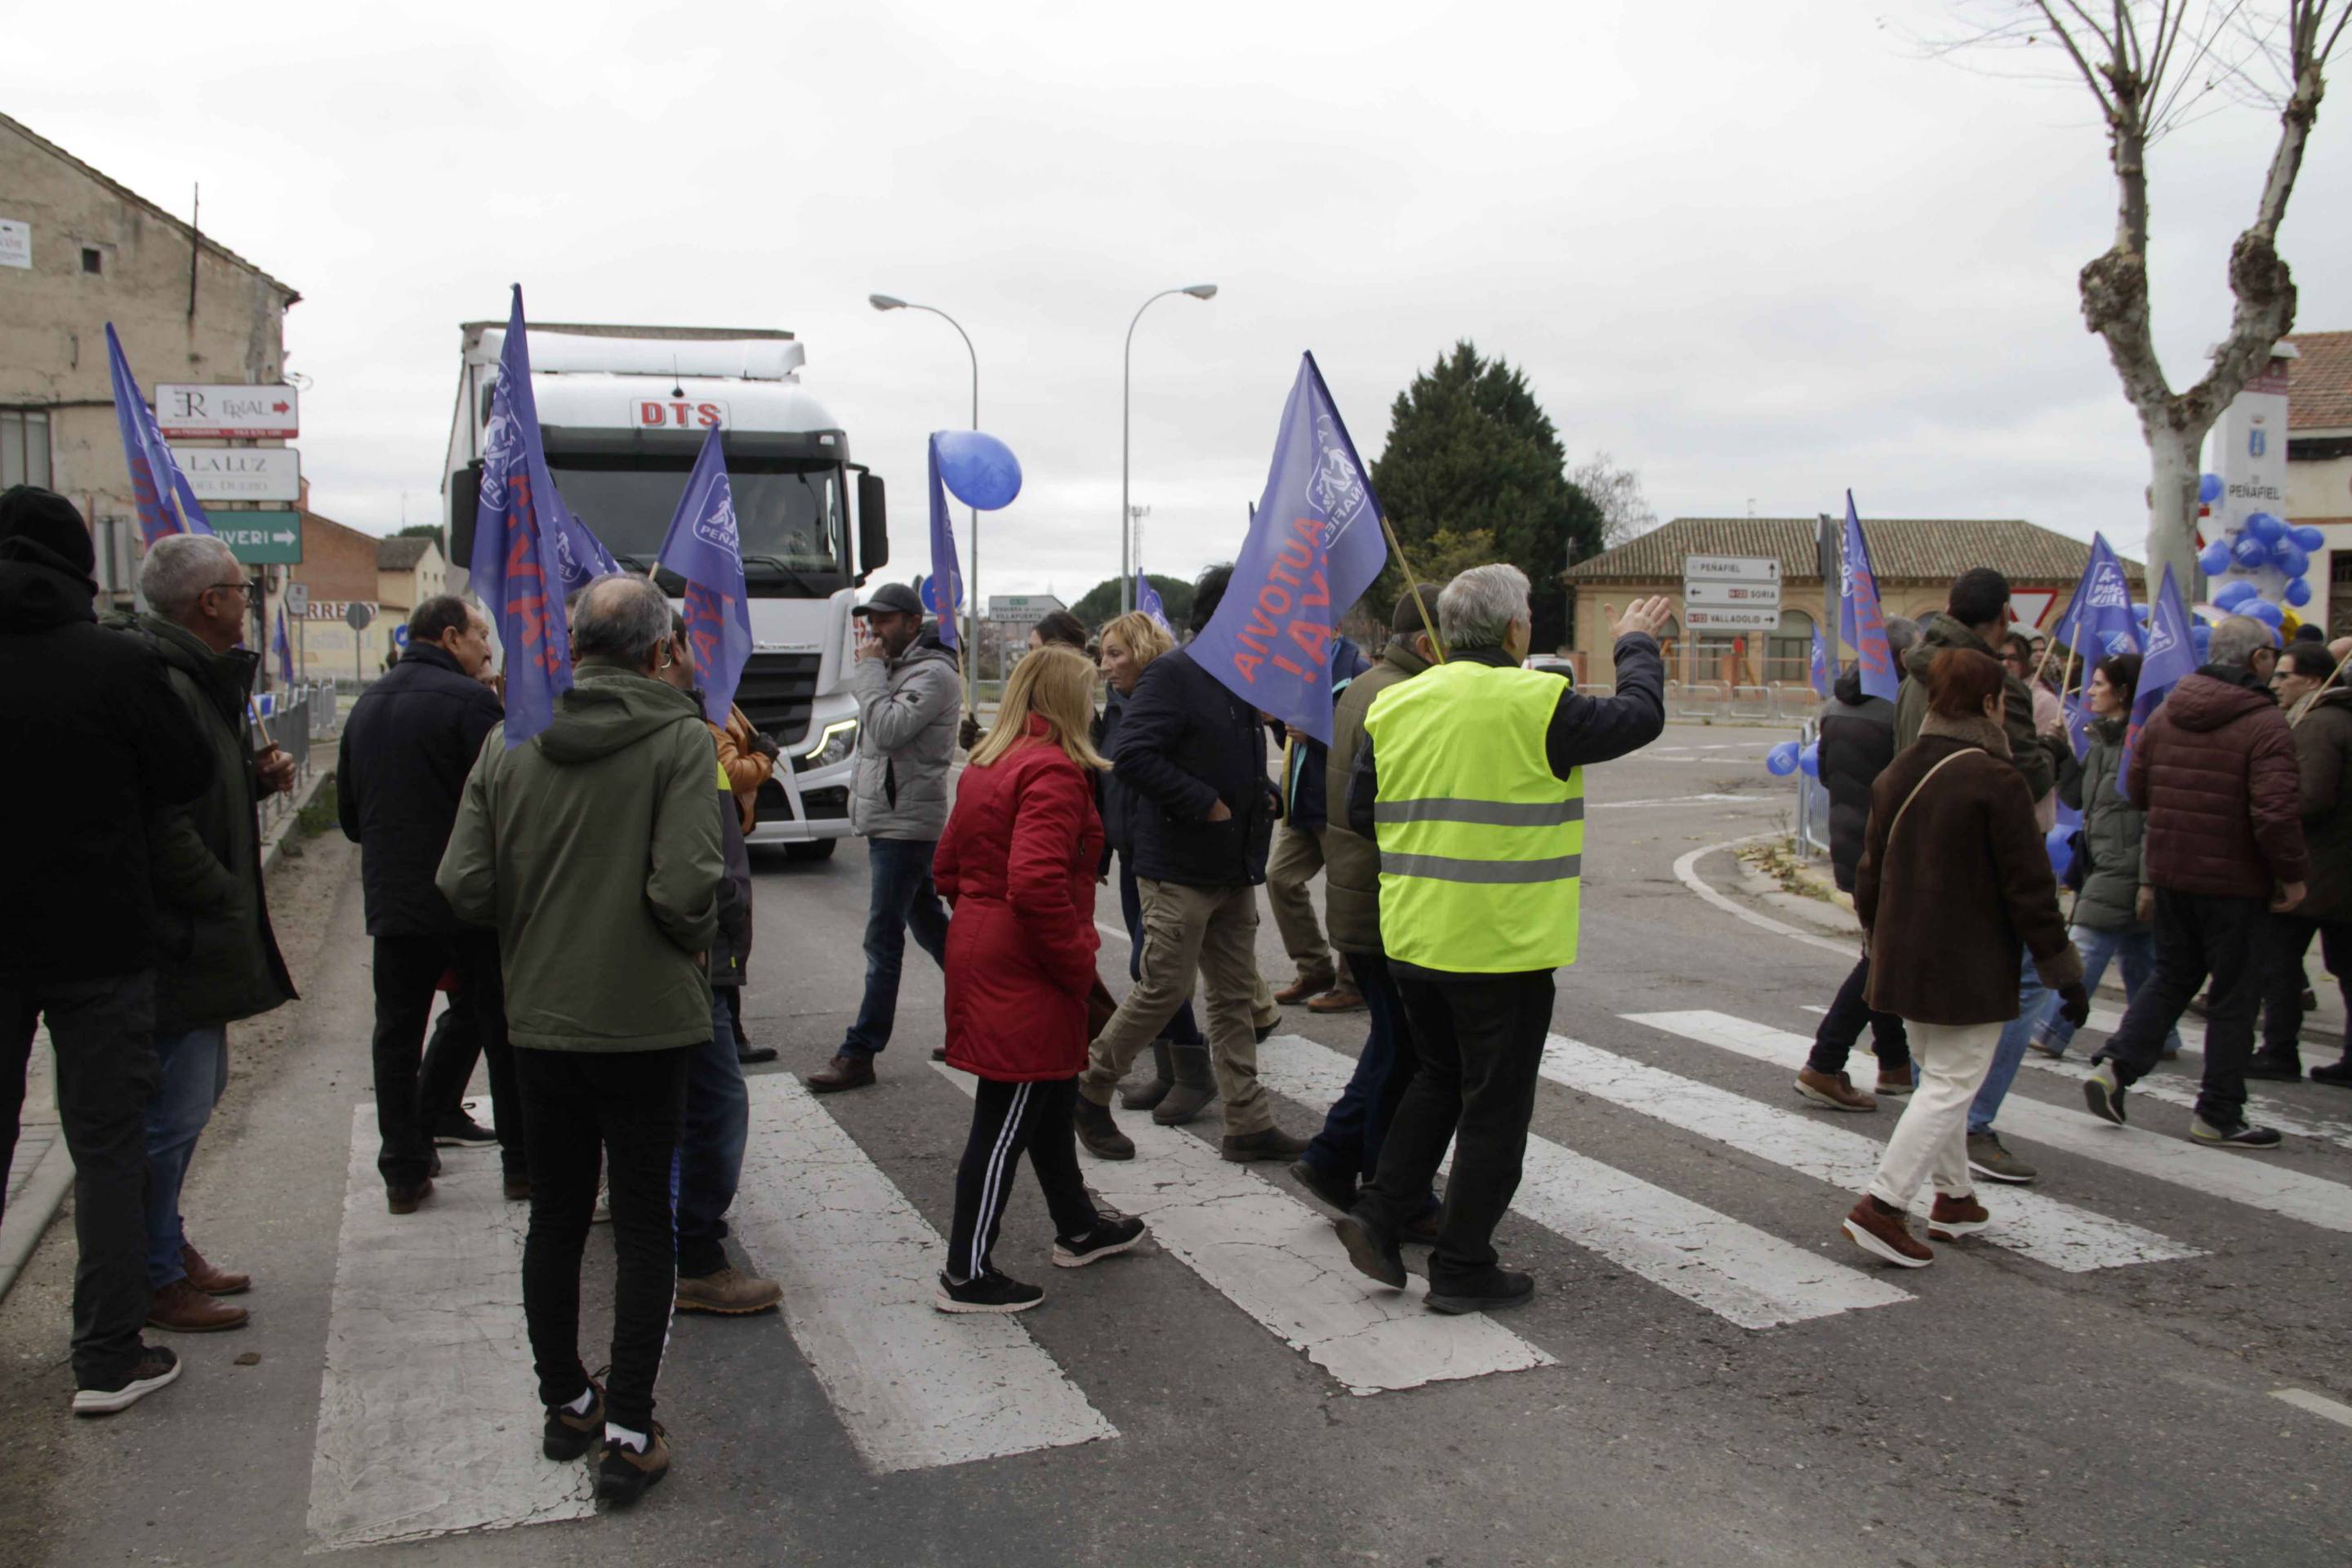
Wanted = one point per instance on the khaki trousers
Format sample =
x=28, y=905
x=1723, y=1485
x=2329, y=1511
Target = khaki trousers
x=1930, y=1143
x=1214, y=932
x=1297, y=859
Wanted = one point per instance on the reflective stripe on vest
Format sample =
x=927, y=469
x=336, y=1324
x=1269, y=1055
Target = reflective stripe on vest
x=1481, y=847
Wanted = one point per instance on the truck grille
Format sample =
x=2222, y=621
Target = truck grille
x=776, y=693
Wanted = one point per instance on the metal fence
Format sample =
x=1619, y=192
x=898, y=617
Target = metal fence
x=294, y=720
x=1813, y=799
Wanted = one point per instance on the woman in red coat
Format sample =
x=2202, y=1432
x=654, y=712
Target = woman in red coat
x=1017, y=864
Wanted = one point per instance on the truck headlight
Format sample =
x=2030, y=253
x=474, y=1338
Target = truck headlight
x=834, y=744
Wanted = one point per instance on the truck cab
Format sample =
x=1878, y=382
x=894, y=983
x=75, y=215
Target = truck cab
x=623, y=411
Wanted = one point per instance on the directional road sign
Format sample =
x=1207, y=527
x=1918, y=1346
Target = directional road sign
x=227, y=409
x=261, y=538
x=242, y=473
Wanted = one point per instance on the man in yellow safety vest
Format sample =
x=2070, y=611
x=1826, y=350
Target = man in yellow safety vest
x=1471, y=780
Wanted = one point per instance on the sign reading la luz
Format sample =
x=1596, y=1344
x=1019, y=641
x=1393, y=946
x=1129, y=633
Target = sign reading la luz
x=261, y=538
x=242, y=473
x=1731, y=592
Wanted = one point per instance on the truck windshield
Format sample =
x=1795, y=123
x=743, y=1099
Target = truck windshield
x=789, y=513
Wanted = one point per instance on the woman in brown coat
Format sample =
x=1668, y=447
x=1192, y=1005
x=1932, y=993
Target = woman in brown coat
x=1954, y=880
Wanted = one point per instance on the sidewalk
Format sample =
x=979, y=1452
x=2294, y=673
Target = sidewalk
x=41, y=1174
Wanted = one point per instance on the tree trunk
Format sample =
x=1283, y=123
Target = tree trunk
x=2173, y=454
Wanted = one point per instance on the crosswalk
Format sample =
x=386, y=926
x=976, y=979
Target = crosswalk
x=427, y=1311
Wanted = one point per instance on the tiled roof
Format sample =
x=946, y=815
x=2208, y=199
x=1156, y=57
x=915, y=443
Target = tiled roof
x=2319, y=382
x=402, y=554
x=1903, y=550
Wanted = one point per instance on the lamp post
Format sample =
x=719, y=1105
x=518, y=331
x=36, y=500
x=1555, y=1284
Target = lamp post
x=1126, y=401
x=972, y=572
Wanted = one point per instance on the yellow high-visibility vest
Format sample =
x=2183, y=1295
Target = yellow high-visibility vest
x=1481, y=847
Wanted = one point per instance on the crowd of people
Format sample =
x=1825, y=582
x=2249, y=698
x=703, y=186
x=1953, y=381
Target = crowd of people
x=583, y=900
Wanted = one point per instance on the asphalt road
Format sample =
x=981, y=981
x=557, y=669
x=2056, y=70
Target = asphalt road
x=2100, y=1387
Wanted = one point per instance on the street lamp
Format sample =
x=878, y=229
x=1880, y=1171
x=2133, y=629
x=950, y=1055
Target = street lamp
x=972, y=572
x=1126, y=398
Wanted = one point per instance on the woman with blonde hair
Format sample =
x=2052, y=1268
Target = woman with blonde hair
x=1017, y=864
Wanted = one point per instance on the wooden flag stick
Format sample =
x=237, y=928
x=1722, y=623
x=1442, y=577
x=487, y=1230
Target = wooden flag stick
x=1412, y=586
x=2318, y=691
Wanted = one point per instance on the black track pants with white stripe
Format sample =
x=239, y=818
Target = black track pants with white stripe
x=1009, y=1119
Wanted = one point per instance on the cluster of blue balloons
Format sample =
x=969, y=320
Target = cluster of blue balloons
x=1787, y=757
x=2264, y=544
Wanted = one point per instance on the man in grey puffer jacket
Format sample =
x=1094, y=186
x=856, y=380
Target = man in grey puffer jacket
x=908, y=694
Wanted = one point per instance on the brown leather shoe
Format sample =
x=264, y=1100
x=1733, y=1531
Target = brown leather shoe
x=1886, y=1235
x=1338, y=999
x=212, y=1281
x=184, y=1310
x=1953, y=1218
x=846, y=1071
x=403, y=1200
x=1834, y=1090
x=1300, y=989
x=729, y=1292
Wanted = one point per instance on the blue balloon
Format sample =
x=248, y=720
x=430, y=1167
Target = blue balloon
x=2202, y=635
x=2250, y=553
x=1781, y=760
x=2262, y=610
x=2298, y=592
x=1810, y=759
x=979, y=469
x=2216, y=559
x=2307, y=538
x=2062, y=853
x=2229, y=593
x=2265, y=527
x=2290, y=558
x=2209, y=489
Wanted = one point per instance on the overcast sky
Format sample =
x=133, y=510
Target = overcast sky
x=1759, y=252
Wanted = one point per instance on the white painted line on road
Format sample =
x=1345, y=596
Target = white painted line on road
x=914, y=1387
x=2027, y=1223
x=1739, y=1272
x=429, y=1411
x=1277, y=1259
x=2319, y=1404
x=2243, y=1178
x=1686, y=867
x=1670, y=800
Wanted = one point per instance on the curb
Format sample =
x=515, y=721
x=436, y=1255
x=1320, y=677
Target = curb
x=30, y=1212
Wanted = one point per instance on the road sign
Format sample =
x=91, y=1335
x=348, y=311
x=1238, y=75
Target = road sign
x=358, y=616
x=297, y=598
x=242, y=473
x=1721, y=618
x=400, y=636
x=1752, y=569
x=227, y=409
x=261, y=538
x=1749, y=595
x=1022, y=609
x=2032, y=607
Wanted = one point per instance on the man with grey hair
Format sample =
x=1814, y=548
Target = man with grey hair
x=1471, y=780
x=607, y=997
x=2215, y=770
x=207, y=868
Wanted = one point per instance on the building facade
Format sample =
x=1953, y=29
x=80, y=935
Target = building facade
x=2319, y=467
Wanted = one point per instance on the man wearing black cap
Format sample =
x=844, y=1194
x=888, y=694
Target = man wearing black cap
x=908, y=694
x=102, y=746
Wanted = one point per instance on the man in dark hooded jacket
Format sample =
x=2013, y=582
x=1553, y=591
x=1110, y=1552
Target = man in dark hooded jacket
x=103, y=748
x=1857, y=742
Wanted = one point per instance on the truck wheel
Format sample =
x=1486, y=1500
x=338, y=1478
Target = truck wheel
x=813, y=849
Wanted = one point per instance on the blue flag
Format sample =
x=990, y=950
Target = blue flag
x=161, y=493
x=515, y=568
x=2078, y=725
x=2097, y=621
x=943, y=589
x=702, y=547
x=1147, y=599
x=1314, y=547
x=1860, y=621
x=2171, y=654
x=284, y=649
x=1823, y=673
x=580, y=556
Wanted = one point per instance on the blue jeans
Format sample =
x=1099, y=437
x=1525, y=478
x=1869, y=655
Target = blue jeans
x=711, y=1149
x=2006, y=1056
x=2098, y=948
x=900, y=900
x=1182, y=1028
x=194, y=1076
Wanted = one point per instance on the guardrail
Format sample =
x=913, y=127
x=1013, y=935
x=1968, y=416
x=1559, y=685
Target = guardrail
x=293, y=720
x=1813, y=799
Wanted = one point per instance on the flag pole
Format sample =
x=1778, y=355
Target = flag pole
x=1412, y=586
x=2319, y=691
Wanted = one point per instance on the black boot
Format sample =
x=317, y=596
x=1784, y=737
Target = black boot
x=1099, y=1133
x=2276, y=1066
x=2338, y=1074
x=1152, y=1091
x=1194, y=1092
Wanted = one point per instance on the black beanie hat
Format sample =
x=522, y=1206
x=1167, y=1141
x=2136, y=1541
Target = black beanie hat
x=50, y=521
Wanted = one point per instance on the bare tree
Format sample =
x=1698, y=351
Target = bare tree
x=1624, y=511
x=2154, y=66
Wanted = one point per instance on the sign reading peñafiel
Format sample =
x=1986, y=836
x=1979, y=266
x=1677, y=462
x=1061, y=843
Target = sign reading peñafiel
x=228, y=410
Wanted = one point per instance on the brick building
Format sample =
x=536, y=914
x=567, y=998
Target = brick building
x=2319, y=466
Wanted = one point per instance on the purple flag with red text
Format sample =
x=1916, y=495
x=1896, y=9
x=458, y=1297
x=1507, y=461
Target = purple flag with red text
x=166, y=502
x=702, y=547
x=2171, y=657
x=516, y=567
x=1314, y=547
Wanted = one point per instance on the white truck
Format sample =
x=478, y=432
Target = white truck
x=621, y=411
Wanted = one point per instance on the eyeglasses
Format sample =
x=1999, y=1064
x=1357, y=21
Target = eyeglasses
x=240, y=585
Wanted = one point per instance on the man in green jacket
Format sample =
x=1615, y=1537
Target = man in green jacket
x=594, y=849
x=221, y=961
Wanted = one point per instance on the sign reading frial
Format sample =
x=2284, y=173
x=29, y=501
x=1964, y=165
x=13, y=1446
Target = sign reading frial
x=228, y=410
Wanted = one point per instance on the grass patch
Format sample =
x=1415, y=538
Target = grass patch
x=1778, y=858
x=319, y=815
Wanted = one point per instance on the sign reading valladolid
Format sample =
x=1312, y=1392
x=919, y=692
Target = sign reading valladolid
x=225, y=409
x=1731, y=592
x=242, y=473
